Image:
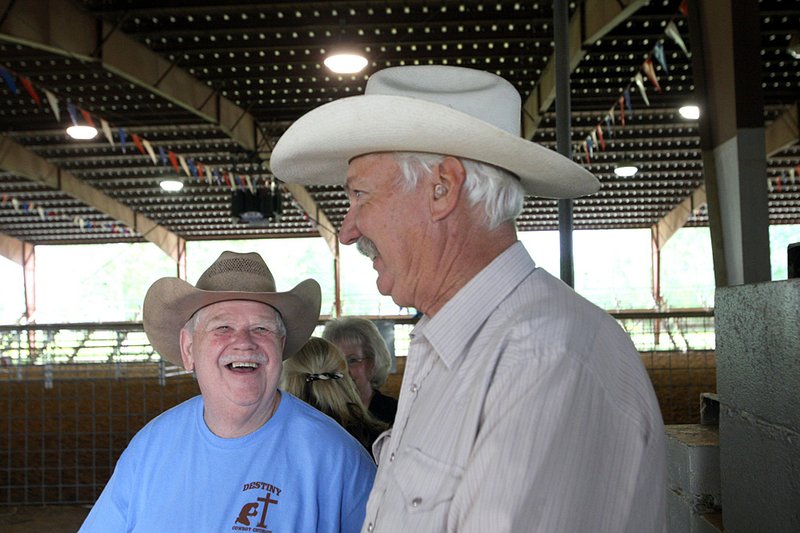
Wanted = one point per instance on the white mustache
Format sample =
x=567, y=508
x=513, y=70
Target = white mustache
x=257, y=358
x=367, y=247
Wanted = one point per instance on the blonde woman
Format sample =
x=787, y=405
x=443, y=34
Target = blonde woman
x=317, y=374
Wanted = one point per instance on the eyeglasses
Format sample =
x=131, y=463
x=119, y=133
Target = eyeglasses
x=353, y=361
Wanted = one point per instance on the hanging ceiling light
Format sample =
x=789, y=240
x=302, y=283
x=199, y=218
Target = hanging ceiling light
x=342, y=62
x=691, y=112
x=82, y=132
x=626, y=169
x=171, y=184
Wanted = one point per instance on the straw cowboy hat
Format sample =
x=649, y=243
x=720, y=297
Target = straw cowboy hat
x=171, y=302
x=430, y=108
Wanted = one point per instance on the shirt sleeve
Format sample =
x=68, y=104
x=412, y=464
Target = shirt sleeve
x=110, y=512
x=357, y=485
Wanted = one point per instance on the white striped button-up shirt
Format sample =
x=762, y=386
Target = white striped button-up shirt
x=523, y=408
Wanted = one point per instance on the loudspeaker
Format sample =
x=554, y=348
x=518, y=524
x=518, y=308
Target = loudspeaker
x=248, y=207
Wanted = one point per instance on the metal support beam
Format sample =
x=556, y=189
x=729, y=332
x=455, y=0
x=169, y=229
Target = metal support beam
x=29, y=281
x=21, y=161
x=563, y=134
x=726, y=65
x=782, y=133
x=337, y=282
x=324, y=226
x=60, y=27
x=593, y=20
x=665, y=228
x=12, y=249
x=181, y=263
x=24, y=254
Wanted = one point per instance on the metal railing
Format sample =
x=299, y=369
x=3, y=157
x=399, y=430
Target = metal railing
x=125, y=342
x=72, y=395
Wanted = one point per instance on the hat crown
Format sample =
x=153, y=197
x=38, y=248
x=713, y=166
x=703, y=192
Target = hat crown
x=235, y=272
x=481, y=94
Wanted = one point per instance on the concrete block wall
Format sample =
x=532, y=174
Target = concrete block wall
x=693, y=476
x=758, y=383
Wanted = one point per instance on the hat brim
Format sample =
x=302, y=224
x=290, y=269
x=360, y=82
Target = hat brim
x=317, y=148
x=171, y=302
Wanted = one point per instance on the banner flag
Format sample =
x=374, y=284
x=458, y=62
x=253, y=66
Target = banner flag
x=599, y=136
x=658, y=51
x=184, y=166
x=640, y=83
x=149, y=148
x=107, y=131
x=9, y=80
x=87, y=117
x=122, y=139
x=31, y=91
x=675, y=35
x=137, y=141
x=650, y=70
x=628, y=103
x=53, y=101
x=73, y=115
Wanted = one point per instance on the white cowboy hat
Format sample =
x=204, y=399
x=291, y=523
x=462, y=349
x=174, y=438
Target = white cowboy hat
x=171, y=302
x=430, y=108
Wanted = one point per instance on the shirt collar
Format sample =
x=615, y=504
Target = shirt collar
x=454, y=326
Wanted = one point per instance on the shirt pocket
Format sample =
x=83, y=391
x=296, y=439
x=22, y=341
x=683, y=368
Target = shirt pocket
x=425, y=482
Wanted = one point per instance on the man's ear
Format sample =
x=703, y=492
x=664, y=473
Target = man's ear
x=447, y=186
x=186, y=350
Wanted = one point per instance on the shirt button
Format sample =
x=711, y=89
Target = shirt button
x=391, y=458
x=370, y=527
x=414, y=388
x=416, y=501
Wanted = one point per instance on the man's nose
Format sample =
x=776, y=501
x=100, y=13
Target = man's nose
x=244, y=337
x=348, y=233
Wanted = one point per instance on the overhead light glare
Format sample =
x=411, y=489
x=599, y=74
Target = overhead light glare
x=345, y=63
x=691, y=112
x=626, y=170
x=82, y=132
x=171, y=185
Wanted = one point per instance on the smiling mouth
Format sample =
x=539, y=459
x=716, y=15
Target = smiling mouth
x=243, y=366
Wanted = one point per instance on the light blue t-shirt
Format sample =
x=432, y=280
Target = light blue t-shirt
x=300, y=472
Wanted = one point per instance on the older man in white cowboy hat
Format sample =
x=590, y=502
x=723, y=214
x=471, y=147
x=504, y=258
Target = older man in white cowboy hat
x=523, y=406
x=242, y=456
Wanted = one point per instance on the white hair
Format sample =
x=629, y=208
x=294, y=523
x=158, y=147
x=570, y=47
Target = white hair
x=498, y=190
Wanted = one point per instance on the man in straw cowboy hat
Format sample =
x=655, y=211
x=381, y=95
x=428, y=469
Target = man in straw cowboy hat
x=242, y=456
x=523, y=406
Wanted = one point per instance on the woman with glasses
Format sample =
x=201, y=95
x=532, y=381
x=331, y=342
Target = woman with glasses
x=368, y=360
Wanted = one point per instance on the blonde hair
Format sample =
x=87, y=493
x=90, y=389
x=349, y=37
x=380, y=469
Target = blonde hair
x=317, y=374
